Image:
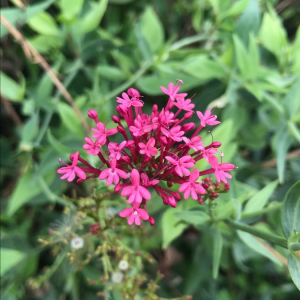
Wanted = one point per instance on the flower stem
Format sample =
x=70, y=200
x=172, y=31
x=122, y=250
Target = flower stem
x=262, y=211
x=278, y=240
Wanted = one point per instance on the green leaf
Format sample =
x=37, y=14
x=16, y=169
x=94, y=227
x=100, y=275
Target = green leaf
x=31, y=129
x=292, y=99
x=69, y=118
x=70, y=8
x=193, y=217
x=257, y=245
x=290, y=215
x=150, y=84
x=10, y=89
x=57, y=145
x=111, y=73
x=171, y=226
x=44, y=24
x=246, y=63
x=92, y=19
x=152, y=29
x=9, y=258
x=260, y=199
x=280, y=144
x=45, y=43
x=294, y=269
x=202, y=67
x=273, y=35
x=235, y=9
x=217, y=251
x=23, y=192
x=249, y=22
x=20, y=16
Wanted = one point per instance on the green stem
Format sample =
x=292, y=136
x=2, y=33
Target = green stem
x=262, y=211
x=278, y=240
x=187, y=41
x=145, y=66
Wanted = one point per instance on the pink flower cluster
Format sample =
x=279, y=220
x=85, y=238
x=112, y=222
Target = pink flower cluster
x=154, y=153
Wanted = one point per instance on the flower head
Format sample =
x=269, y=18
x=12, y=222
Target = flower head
x=148, y=149
x=154, y=153
x=123, y=265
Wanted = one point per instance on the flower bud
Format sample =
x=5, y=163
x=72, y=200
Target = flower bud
x=92, y=114
x=117, y=188
x=188, y=126
x=116, y=119
x=188, y=115
x=151, y=221
x=216, y=144
x=125, y=159
x=133, y=93
x=155, y=166
x=121, y=129
x=129, y=145
x=154, y=108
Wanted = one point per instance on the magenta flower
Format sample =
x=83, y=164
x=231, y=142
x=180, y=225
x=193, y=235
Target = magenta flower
x=208, y=154
x=182, y=165
x=127, y=102
x=156, y=156
x=172, y=91
x=174, y=133
x=102, y=132
x=112, y=174
x=134, y=214
x=148, y=149
x=184, y=104
x=192, y=187
x=115, y=150
x=92, y=147
x=207, y=118
x=70, y=171
x=220, y=171
x=194, y=143
x=136, y=192
x=142, y=126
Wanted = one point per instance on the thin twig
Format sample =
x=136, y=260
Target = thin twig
x=34, y=56
x=11, y=111
x=273, y=162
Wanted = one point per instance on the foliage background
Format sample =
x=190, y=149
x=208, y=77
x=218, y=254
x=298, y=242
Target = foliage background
x=243, y=56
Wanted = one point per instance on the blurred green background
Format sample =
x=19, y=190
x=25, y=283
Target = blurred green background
x=241, y=56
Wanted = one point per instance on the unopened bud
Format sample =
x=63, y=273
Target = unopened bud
x=121, y=129
x=188, y=115
x=155, y=166
x=92, y=114
x=125, y=159
x=188, y=126
x=117, y=188
x=133, y=93
x=116, y=119
x=216, y=144
x=151, y=221
x=154, y=108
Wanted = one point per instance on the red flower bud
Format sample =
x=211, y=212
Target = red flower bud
x=151, y=221
x=188, y=126
x=116, y=119
x=92, y=114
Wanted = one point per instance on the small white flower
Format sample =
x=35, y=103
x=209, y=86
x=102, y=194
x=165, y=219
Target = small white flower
x=117, y=277
x=123, y=265
x=77, y=243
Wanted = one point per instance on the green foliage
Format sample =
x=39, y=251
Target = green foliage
x=242, y=56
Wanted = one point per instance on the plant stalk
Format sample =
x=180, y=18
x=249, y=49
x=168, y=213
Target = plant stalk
x=278, y=240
